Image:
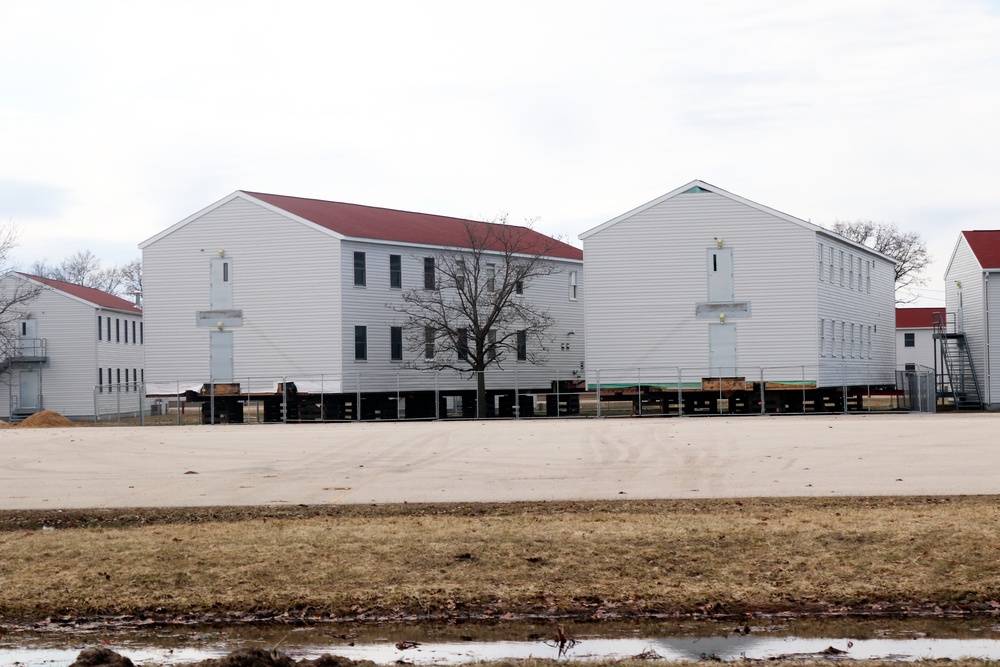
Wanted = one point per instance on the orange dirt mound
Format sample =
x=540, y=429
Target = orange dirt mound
x=45, y=419
x=4, y=424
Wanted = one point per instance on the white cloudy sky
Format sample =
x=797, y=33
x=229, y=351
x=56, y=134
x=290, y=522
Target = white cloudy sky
x=117, y=119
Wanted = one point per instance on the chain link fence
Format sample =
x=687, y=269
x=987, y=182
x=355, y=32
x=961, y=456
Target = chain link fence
x=520, y=394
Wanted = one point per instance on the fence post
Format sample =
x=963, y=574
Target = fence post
x=803, y=368
x=598, y=378
x=680, y=392
x=638, y=398
x=763, y=409
x=843, y=382
x=517, y=396
x=142, y=404
x=118, y=409
x=397, y=395
x=437, y=396
x=178, y=402
x=284, y=400
x=96, y=401
x=358, y=389
x=557, y=396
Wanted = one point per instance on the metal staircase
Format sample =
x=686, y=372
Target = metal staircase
x=957, y=379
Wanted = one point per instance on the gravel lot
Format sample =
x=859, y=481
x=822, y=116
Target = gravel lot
x=467, y=461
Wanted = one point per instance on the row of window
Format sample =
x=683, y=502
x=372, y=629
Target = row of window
x=114, y=379
x=837, y=266
x=845, y=339
x=104, y=330
x=430, y=337
x=430, y=274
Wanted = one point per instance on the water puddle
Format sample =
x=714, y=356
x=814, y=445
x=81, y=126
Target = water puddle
x=898, y=639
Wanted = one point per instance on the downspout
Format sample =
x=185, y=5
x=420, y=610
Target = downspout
x=986, y=315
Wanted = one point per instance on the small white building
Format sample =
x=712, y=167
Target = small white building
x=264, y=290
x=915, y=336
x=701, y=283
x=80, y=352
x=972, y=293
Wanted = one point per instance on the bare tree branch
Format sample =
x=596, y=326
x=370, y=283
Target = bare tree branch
x=907, y=248
x=478, y=313
x=15, y=296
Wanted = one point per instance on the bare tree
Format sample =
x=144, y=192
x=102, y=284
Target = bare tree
x=907, y=248
x=472, y=313
x=14, y=297
x=84, y=268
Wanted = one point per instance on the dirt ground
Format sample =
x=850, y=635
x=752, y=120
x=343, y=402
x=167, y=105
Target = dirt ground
x=499, y=461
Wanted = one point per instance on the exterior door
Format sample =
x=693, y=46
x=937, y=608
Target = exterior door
x=30, y=390
x=28, y=336
x=221, y=350
x=720, y=275
x=722, y=349
x=222, y=283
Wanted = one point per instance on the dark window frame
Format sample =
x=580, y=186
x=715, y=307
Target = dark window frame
x=462, y=345
x=360, y=269
x=429, y=335
x=360, y=343
x=395, y=343
x=430, y=274
x=396, y=271
x=522, y=345
x=100, y=328
x=118, y=330
x=909, y=340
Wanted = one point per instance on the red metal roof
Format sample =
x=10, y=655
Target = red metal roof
x=384, y=224
x=88, y=294
x=918, y=318
x=986, y=246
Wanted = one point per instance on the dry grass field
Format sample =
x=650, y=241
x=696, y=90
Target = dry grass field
x=596, y=559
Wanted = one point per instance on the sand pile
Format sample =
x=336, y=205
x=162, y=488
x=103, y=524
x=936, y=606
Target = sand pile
x=45, y=419
x=4, y=424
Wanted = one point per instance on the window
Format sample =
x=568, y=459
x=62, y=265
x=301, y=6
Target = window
x=109, y=372
x=360, y=343
x=396, y=343
x=519, y=287
x=459, y=273
x=911, y=368
x=822, y=267
x=428, y=342
x=133, y=332
x=572, y=285
x=850, y=272
x=832, y=338
x=100, y=328
x=491, y=338
x=852, y=340
x=869, y=341
x=126, y=331
x=100, y=376
x=118, y=378
x=126, y=373
x=462, y=344
x=909, y=340
x=430, y=281
x=395, y=271
x=118, y=330
x=822, y=338
x=225, y=272
x=522, y=345
x=135, y=378
x=869, y=276
x=141, y=336
x=841, y=268
x=491, y=277
x=831, y=265
x=359, y=269
x=843, y=330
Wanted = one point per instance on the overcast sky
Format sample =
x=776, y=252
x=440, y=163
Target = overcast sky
x=118, y=119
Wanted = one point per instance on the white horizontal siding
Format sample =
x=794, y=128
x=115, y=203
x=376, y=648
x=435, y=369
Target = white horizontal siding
x=843, y=302
x=372, y=306
x=646, y=273
x=69, y=328
x=285, y=279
